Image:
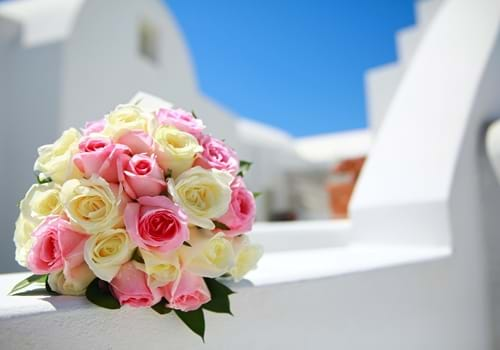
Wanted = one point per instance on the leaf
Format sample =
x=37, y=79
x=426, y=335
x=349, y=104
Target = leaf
x=187, y=244
x=216, y=288
x=194, y=320
x=27, y=281
x=136, y=256
x=169, y=174
x=161, y=307
x=244, y=167
x=98, y=292
x=219, y=304
x=194, y=114
x=256, y=194
x=43, y=180
x=220, y=225
x=32, y=292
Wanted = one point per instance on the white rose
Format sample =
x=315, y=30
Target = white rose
x=209, y=255
x=93, y=205
x=126, y=118
x=23, y=239
x=247, y=256
x=105, y=252
x=56, y=160
x=202, y=194
x=40, y=201
x=73, y=282
x=160, y=268
x=175, y=149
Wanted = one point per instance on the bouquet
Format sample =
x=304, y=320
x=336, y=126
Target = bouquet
x=139, y=209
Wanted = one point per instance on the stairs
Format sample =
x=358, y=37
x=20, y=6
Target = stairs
x=381, y=83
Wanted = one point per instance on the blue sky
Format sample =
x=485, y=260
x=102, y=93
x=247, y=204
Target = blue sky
x=297, y=65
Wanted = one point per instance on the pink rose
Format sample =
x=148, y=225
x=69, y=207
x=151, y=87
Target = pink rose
x=180, y=119
x=98, y=155
x=138, y=142
x=56, y=245
x=217, y=155
x=241, y=212
x=93, y=127
x=129, y=286
x=187, y=293
x=143, y=176
x=156, y=223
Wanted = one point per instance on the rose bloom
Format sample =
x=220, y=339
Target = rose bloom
x=241, y=212
x=187, y=293
x=71, y=281
x=130, y=288
x=94, y=127
x=143, y=176
x=99, y=156
x=176, y=150
x=203, y=194
x=93, y=205
x=181, y=120
x=23, y=239
x=161, y=268
x=56, y=160
x=55, y=245
x=156, y=223
x=247, y=256
x=106, y=251
x=137, y=141
x=126, y=118
x=40, y=201
x=209, y=255
x=217, y=155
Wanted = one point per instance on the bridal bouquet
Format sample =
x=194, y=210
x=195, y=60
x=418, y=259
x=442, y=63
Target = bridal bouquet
x=141, y=208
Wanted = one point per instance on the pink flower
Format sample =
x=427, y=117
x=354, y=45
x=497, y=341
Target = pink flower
x=93, y=127
x=99, y=156
x=187, y=293
x=241, y=212
x=156, y=223
x=143, y=176
x=129, y=286
x=217, y=155
x=180, y=119
x=138, y=142
x=56, y=245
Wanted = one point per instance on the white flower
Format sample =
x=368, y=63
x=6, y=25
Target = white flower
x=126, y=118
x=72, y=282
x=202, y=194
x=161, y=268
x=247, y=256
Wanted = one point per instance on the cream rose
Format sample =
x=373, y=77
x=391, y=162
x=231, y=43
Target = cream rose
x=209, y=255
x=105, y=252
x=93, y=205
x=126, y=118
x=23, y=239
x=161, y=268
x=41, y=201
x=247, y=256
x=176, y=150
x=202, y=194
x=55, y=160
x=71, y=282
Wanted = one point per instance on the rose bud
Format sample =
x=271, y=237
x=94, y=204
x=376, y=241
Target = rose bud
x=181, y=120
x=130, y=288
x=143, y=176
x=217, y=155
x=137, y=141
x=187, y=293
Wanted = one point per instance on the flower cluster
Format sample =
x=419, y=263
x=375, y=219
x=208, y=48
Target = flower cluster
x=140, y=208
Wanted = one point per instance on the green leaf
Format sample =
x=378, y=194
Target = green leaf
x=41, y=180
x=194, y=114
x=169, y=174
x=220, y=225
x=219, y=304
x=27, y=281
x=47, y=287
x=216, y=288
x=187, y=244
x=136, y=256
x=161, y=307
x=244, y=167
x=194, y=320
x=98, y=292
x=256, y=194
